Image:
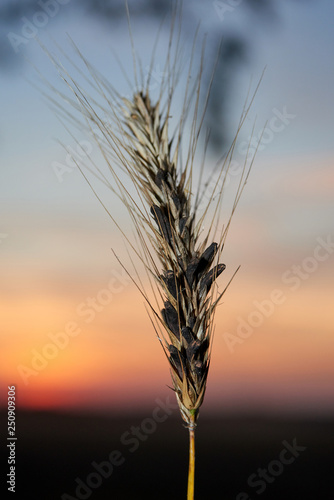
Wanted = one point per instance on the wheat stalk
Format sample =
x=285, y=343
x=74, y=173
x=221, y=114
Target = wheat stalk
x=182, y=257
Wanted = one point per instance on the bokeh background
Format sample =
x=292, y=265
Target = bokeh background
x=272, y=371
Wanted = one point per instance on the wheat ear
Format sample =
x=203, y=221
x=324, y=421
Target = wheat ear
x=178, y=252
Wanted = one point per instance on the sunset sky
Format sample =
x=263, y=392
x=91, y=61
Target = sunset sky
x=61, y=284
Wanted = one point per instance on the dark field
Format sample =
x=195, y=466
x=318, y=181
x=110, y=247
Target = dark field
x=53, y=449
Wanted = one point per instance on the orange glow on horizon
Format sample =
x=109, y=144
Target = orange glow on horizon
x=76, y=336
x=114, y=356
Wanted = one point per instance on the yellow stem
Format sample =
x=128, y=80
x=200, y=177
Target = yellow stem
x=191, y=472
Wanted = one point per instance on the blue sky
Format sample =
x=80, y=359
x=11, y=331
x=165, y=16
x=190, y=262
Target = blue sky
x=296, y=51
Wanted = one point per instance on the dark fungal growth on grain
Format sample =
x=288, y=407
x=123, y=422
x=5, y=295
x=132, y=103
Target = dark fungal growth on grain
x=189, y=269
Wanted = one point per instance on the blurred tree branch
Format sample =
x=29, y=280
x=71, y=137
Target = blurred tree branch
x=235, y=46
